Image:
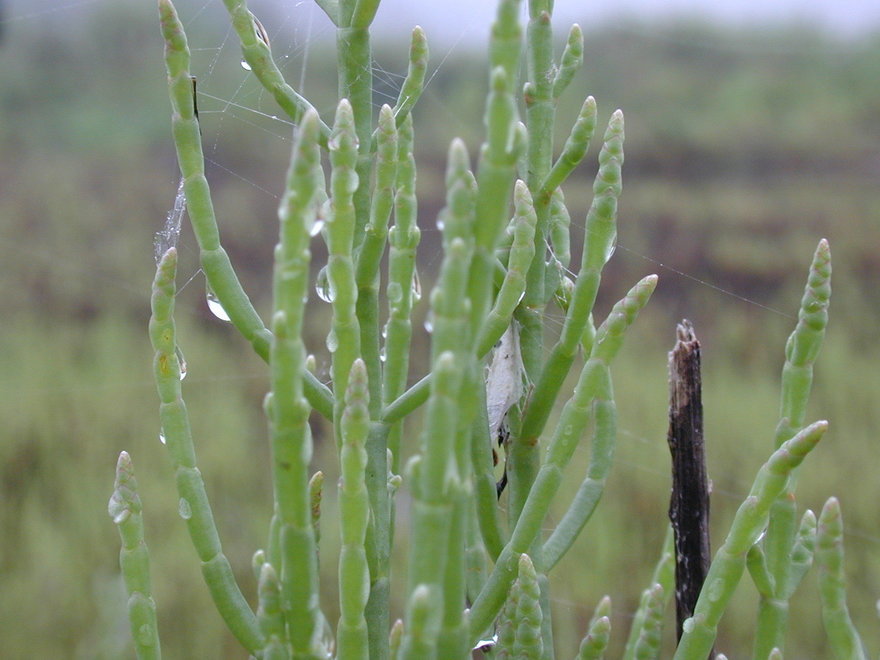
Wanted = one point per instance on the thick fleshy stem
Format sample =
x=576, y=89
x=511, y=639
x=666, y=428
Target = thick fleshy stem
x=134, y=560
x=435, y=482
x=354, y=512
x=355, y=85
x=287, y=408
x=522, y=251
x=401, y=292
x=575, y=148
x=652, y=604
x=495, y=177
x=647, y=643
x=843, y=637
x=270, y=614
x=370, y=254
x=194, y=506
x=528, y=643
x=343, y=342
x=729, y=562
x=571, y=61
x=801, y=351
x=213, y=258
x=412, y=86
x=594, y=643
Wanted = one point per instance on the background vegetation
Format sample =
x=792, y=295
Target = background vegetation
x=743, y=149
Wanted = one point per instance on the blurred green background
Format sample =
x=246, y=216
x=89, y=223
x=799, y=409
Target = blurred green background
x=744, y=148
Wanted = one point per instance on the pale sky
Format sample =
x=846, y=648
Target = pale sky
x=468, y=19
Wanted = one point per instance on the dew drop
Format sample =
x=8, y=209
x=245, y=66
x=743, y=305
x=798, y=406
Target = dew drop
x=323, y=287
x=316, y=227
x=688, y=625
x=416, y=287
x=394, y=292
x=611, y=247
x=486, y=645
x=118, y=509
x=328, y=641
x=214, y=304
x=184, y=509
x=332, y=341
x=181, y=361
x=382, y=354
x=440, y=224
x=162, y=437
x=245, y=65
x=429, y=322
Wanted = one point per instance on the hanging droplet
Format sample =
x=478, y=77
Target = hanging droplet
x=382, y=354
x=162, y=436
x=429, y=322
x=440, y=224
x=184, y=509
x=214, y=304
x=611, y=247
x=118, y=509
x=394, y=292
x=246, y=66
x=328, y=640
x=416, y=287
x=486, y=645
x=181, y=361
x=332, y=341
x=323, y=287
x=316, y=227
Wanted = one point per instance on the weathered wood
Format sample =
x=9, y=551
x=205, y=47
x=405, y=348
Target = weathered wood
x=689, y=504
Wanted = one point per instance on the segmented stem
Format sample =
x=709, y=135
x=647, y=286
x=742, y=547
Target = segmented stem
x=194, y=505
x=134, y=560
x=287, y=408
x=843, y=637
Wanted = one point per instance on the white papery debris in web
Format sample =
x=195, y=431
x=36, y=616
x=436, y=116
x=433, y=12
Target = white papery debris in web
x=167, y=237
x=504, y=378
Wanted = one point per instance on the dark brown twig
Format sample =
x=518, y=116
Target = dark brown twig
x=689, y=504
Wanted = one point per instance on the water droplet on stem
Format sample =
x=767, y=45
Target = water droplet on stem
x=181, y=361
x=214, y=304
x=323, y=287
x=416, y=287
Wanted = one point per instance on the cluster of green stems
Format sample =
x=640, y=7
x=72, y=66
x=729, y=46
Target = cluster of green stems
x=475, y=577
